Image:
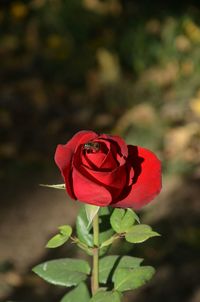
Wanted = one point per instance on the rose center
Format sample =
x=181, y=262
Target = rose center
x=94, y=153
x=91, y=147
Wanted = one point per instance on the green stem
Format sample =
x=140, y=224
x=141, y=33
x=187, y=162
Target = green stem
x=95, y=270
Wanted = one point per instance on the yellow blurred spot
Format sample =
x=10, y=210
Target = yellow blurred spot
x=182, y=43
x=54, y=41
x=195, y=106
x=192, y=31
x=103, y=7
x=13, y=278
x=143, y=114
x=58, y=47
x=109, y=68
x=180, y=142
x=153, y=26
x=19, y=10
x=8, y=150
x=187, y=68
x=160, y=76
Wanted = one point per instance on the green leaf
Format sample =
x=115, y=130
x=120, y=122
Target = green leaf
x=121, y=220
x=105, y=296
x=104, y=225
x=59, y=186
x=84, y=232
x=110, y=264
x=65, y=230
x=128, y=279
x=140, y=233
x=129, y=262
x=109, y=241
x=80, y=293
x=135, y=215
x=106, y=265
x=60, y=239
x=56, y=241
x=64, y=272
x=91, y=211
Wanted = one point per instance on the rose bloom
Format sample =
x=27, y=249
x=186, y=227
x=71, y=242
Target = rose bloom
x=103, y=170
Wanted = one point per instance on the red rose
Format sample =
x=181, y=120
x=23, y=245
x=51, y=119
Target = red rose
x=104, y=171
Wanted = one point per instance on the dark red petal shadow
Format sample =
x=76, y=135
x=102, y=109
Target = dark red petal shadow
x=119, y=144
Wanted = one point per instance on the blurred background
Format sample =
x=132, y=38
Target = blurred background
x=127, y=67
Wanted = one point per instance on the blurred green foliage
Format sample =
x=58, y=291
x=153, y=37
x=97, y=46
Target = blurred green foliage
x=123, y=65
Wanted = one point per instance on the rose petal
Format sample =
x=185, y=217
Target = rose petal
x=83, y=137
x=89, y=163
x=63, y=158
x=121, y=149
x=81, y=158
x=94, y=159
x=113, y=181
x=110, y=162
x=64, y=155
x=146, y=181
x=88, y=191
x=113, y=146
x=104, y=158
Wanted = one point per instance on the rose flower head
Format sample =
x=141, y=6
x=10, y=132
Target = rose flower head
x=103, y=170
